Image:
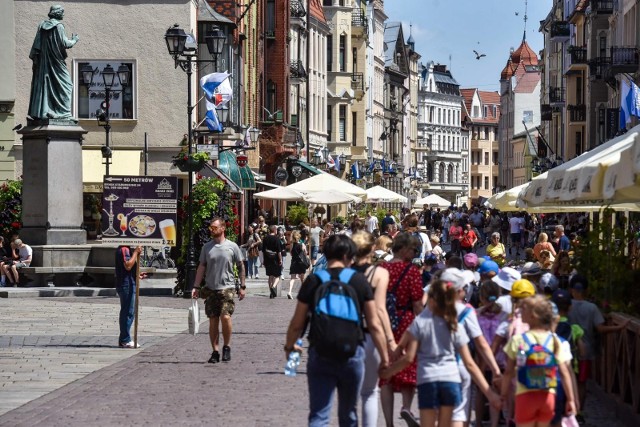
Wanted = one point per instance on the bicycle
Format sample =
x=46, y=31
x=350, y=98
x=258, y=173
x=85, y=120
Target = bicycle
x=159, y=258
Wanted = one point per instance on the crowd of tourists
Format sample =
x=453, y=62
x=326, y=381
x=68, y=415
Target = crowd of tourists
x=436, y=318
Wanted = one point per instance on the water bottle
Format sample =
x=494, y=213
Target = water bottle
x=521, y=357
x=294, y=361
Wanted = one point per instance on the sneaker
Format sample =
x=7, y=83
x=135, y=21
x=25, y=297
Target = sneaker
x=215, y=357
x=257, y=277
x=289, y=295
x=129, y=344
x=406, y=415
x=226, y=353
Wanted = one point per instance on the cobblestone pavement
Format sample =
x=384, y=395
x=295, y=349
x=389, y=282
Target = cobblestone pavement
x=60, y=367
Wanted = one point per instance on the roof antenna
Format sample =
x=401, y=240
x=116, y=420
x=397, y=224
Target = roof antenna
x=524, y=36
x=450, y=62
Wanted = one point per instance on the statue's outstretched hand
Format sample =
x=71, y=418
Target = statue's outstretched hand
x=75, y=37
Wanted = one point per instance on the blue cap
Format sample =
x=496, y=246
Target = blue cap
x=561, y=296
x=488, y=266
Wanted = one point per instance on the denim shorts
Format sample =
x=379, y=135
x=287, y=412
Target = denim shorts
x=314, y=252
x=439, y=393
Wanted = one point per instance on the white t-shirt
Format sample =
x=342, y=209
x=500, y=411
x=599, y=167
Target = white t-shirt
x=516, y=223
x=505, y=303
x=426, y=244
x=371, y=223
x=25, y=252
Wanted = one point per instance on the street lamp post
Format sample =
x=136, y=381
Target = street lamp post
x=182, y=48
x=103, y=115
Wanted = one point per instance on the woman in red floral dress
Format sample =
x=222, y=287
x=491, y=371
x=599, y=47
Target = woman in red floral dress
x=406, y=279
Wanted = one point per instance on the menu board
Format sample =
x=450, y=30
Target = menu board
x=139, y=210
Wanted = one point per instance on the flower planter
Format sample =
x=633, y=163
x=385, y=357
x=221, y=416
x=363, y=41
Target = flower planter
x=190, y=165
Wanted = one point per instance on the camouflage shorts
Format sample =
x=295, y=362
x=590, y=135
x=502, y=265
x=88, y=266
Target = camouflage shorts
x=219, y=303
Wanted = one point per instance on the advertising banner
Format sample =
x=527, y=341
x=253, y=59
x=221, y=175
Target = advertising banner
x=139, y=210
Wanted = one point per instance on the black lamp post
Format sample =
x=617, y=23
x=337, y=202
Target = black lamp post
x=182, y=48
x=102, y=115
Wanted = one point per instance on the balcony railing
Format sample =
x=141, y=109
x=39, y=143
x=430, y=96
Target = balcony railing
x=602, y=7
x=297, y=70
x=357, y=81
x=577, y=113
x=578, y=55
x=556, y=95
x=297, y=9
x=560, y=31
x=597, y=66
x=625, y=57
x=358, y=18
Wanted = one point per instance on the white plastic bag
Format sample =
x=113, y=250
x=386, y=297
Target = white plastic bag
x=570, y=421
x=194, y=317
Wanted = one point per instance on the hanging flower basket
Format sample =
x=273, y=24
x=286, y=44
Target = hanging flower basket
x=190, y=163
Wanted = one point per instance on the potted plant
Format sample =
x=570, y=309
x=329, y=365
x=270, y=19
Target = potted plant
x=193, y=162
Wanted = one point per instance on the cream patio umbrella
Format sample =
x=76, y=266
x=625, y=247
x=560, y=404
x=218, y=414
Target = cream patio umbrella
x=280, y=193
x=379, y=194
x=432, y=200
x=506, y=200
x=330, y=197
x=325, y=181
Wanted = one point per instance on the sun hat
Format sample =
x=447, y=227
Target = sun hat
x=522, y=289
x=471, y=260
x=457, y=277
x=549, y=282
x=506, y=277
x=531, y=269
x=488, y=266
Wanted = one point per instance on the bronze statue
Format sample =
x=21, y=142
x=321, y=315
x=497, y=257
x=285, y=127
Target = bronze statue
x=51, y=84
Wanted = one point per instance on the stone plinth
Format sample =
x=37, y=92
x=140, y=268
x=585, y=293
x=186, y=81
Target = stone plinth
x=52, y=183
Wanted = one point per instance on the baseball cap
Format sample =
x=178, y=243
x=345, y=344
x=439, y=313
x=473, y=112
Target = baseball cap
x=471, y=260
x=531, y=269
x=578, y=282
x=522, y=289
x=561, y=297
x=506, y=277
x=549, y=282
x=457, y=277
x=488, y=266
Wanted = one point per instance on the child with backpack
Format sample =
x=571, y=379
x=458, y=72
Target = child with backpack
x=537, y=358
x=434, y=337
x=490, y=316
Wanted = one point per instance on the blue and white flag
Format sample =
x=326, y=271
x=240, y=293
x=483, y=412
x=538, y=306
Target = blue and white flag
x=625, y=92
x=383, y=165
x=355, y=171
x=634, y=103
x=331, y=164
x=217, y=88
x=211, y=118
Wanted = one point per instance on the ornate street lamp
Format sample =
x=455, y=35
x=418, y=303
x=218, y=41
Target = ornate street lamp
x=102, y=115
x=182, y=48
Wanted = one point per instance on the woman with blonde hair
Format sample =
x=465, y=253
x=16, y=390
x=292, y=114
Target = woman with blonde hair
x=378, y=279
x=543, y=245
x=299, y=260
x=382, y=249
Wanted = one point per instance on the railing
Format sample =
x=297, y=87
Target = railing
x=597, y=67
x=624, y=56
x=358, y=18
x=602, y=6
x=560, y=30
x=577, y=113
x=297, y=70
x=618, y=365
x=357, y=81
x=578, y=55
x=556, y=95
x=297, y=9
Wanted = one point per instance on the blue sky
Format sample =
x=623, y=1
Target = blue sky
x=457, y=27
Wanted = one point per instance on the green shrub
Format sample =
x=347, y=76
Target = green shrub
x=296, y=214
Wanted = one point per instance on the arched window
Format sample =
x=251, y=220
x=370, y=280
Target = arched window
x=441, y=172
x=450, y=174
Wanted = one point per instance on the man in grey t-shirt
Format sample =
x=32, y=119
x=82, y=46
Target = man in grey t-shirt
x=217, y=260
x=315, y=233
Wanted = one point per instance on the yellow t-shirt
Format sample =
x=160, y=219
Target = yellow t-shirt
x=513, y=346
x=496, y=252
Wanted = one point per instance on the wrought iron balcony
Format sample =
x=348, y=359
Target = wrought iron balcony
x=623, y=60
x=560, y=31
x=546, y=112
x=297, y=9
x=597, y=66
x=556, y=95
x=359, y=25
x=578, y=55
x=577, y=113
x=357, y=81
x=297, y=70
x=602, y=7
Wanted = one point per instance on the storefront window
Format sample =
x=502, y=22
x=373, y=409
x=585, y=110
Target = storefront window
x=89, y=100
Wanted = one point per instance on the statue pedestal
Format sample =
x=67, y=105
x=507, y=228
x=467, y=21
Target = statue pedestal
x=52, y=183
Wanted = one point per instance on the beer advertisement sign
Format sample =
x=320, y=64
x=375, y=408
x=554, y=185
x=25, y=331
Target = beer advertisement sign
x=139, y=210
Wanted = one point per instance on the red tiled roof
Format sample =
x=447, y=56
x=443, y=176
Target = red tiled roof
x=467, y=95
x=316, y=11
x=488, y=97
x=507, y=72
x=524, y=54
x=527, y=83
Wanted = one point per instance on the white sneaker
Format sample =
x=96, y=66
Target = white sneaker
x=130, y=344
x=257, y=277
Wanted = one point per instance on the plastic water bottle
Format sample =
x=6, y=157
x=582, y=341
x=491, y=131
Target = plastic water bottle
x=290, y=369
x=521, y=357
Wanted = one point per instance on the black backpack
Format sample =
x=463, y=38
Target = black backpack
x=336, y=320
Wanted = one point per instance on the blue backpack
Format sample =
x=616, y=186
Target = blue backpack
x=336, y=320
x=540, y=368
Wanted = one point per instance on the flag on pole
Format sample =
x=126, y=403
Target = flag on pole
x=217, y=88
x=372, y=165
x=383, y=165
x=355, y=171
x=634, y=103
x=337, y=164
x=211, y=118
x=331, y=164
x=625, y=113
